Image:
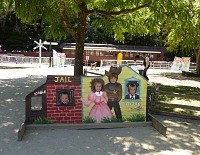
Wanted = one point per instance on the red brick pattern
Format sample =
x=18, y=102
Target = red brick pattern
x=64, y=114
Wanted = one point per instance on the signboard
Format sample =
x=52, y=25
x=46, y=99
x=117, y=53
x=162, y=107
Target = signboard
x=182, y=64
x=126, y=98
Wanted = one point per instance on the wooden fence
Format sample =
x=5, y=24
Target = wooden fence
x=155, y=106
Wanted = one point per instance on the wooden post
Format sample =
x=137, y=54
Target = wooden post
x=158, y=125
x=50, y=50
x=21, y=132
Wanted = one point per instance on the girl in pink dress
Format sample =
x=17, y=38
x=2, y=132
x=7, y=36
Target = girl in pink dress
x=100, y=109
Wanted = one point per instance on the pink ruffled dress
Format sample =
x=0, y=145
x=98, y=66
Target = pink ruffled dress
x=100, y=109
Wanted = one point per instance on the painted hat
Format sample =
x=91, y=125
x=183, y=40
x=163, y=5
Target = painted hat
x=132, y=82
x=113, y=70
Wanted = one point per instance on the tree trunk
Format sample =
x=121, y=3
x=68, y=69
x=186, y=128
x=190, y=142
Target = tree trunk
x=197, y=53
x=81, y=30
x=78, y=66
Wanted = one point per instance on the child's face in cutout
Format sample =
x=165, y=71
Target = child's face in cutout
x=132, y=90
x=64, y=98
x=113, y=79
x=98, y=86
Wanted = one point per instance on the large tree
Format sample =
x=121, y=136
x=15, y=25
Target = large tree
x=117, y=18
x=183, y=31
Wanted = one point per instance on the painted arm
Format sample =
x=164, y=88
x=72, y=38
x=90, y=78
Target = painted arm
x=108, y=90
x=105, y=97
x=90, y=99
x=119, y=92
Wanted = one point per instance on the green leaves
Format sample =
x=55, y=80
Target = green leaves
x=183, y=27
x=160, y=14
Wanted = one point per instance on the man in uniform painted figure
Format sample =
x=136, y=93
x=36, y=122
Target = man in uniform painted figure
x=114, y=90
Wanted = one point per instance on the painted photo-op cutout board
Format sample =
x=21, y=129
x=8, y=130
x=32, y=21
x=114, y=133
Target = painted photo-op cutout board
x=117, y=85
x=182, y=64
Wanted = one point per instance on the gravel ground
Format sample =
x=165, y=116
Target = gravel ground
x=183, y=135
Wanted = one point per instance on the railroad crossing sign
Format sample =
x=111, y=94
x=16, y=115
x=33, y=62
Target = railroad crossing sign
x=40, y=46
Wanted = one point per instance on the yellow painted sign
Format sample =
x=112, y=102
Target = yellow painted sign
x=62, y=79
x=119, y=58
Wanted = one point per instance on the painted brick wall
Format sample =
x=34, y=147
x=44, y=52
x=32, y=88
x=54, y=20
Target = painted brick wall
x=64, y=114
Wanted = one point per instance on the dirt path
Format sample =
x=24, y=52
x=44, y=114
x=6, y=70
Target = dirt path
x=183, y=136
x=174, y=80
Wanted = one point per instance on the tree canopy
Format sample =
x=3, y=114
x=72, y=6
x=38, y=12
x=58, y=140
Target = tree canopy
x=116, y=18
x=183, y=31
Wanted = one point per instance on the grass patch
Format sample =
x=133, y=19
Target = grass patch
x=178, y=89
x=178, y=110
x=193, y=91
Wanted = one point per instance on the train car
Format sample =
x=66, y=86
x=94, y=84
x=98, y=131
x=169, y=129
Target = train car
x=98, y=52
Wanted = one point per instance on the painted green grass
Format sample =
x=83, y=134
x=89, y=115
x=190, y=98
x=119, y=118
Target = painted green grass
x=133, y=118
x=88, y=120
x=43, y=120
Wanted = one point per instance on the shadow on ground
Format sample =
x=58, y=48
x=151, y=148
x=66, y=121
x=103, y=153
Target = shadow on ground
x=179, y=76
x=181, y=138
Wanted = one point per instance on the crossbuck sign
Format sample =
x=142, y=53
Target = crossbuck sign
x=40, y=46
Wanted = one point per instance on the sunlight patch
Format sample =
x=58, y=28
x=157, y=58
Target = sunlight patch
x=16, y=130
x=127, y=146
x=10, y=100
x=171, y=123
x=176, y=152
x=147, y=146
x=6, y=124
